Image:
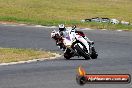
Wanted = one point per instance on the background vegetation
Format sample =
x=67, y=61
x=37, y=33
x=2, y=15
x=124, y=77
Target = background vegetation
x=52, y=12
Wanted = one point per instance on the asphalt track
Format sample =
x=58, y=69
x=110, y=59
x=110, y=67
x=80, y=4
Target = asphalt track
x=114, y=49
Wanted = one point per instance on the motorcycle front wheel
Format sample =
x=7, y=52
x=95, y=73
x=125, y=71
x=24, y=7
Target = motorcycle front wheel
x=94, y=54
x=82, y=52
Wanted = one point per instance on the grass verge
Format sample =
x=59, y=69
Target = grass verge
x=14, y=54
x=53, y=12
x=93, y=25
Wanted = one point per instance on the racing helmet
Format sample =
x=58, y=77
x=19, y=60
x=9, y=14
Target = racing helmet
x=61, y=27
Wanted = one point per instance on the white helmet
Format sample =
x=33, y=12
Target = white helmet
x=61, y=27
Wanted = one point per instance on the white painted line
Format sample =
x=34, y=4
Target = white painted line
x=54, y=27
x=4, y=23
x=119, y=30
x=89, y=29
x=12, y=25
x=38, y=26
x=104, y=29
x=82, y=29
x=86, y=29
x=22, y=24
x=44, y=26
x=26, y=25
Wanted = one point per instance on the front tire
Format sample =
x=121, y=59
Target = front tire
x=94, y=54
x=82, y=52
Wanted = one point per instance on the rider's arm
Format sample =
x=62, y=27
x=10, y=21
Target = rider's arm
x=55, y=35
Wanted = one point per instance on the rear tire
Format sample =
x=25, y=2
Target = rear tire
x=82, y=52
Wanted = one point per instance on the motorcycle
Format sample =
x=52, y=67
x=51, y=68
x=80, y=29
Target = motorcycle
x=75, y=47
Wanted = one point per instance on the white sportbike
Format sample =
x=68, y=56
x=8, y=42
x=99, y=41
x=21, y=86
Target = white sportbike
x=77, y=45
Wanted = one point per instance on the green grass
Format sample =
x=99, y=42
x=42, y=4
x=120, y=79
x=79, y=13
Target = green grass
x=14, y=54
x=53, y=12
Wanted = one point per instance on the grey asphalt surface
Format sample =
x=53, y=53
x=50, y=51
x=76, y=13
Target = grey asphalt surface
x=114, y=49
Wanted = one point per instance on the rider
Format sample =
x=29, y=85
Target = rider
x=62, y=31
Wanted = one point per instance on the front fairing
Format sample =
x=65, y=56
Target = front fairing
x=69, y=38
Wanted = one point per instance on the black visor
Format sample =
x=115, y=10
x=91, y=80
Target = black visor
x=61, y=29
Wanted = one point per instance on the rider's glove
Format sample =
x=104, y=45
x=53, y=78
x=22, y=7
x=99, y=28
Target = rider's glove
x=52, y=34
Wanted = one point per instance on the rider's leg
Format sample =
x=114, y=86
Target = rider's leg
x=85, y=37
